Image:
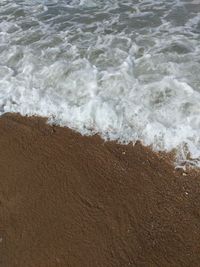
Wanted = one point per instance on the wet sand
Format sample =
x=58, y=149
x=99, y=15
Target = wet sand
x=69, y=200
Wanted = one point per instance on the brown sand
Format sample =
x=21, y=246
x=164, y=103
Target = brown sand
x=69, y=200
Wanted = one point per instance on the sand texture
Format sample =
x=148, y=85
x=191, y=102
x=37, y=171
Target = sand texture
x=69, y=200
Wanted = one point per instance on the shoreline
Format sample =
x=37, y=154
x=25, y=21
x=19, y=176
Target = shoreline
x=73, y=200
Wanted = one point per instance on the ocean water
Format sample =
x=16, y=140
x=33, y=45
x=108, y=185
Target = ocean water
x=126, y=69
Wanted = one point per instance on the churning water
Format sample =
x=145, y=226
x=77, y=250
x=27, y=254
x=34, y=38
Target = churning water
x=127, y=69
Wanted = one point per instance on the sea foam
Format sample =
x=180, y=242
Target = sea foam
x=128, y=71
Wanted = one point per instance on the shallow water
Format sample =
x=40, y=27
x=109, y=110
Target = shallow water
x=128, y=70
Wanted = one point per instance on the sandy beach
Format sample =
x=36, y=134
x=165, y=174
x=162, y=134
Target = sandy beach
x=72, y=200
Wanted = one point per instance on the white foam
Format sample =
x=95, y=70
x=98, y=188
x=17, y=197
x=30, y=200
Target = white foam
x=104, y=75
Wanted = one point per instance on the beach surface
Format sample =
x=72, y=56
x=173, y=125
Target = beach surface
x=72, y=200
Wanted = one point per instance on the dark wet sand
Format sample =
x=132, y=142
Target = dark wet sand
x=69, y=200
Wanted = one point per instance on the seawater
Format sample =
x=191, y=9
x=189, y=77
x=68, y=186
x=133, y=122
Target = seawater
x=126, y=69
